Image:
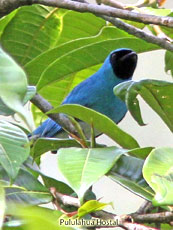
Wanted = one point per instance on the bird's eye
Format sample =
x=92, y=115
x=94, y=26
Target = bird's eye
x=123, y=63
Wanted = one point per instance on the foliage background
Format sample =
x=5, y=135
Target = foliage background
x=150, y=66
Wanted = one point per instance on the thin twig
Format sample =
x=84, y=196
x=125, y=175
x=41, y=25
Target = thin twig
x=161, y=34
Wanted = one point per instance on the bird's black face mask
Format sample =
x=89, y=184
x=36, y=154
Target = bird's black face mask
x=123, y=63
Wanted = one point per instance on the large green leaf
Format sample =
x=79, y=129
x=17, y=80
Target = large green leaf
x=35, y=217
x=59, y=54
x=168, y=62
x=100, y=122
x=43, y=145
x=25, y=189
x=158, y=173
x=33, y=30
x=86, y=53
x=13, y=86
x=83, y=167
x=14, y=148
x=158, y=94
x=128, y=173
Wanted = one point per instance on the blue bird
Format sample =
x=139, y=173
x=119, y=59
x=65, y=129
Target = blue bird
x=96, y=92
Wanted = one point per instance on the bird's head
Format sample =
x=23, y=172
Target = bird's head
x=123, y=62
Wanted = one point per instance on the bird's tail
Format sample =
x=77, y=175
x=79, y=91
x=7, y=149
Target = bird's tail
x=48, y=128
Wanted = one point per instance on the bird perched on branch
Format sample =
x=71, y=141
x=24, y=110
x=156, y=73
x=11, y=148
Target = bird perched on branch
x=96, y=92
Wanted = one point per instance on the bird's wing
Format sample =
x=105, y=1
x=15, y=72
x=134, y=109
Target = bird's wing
x=82, y=95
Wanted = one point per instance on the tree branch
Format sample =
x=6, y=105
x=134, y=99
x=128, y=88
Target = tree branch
x=161, y=217
x=83, y=6
x=8, y=5
x=146, y=207
x=124, y=221
x=162, y=42
x=140, y=33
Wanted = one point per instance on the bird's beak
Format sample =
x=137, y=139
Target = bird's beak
x=131, y=55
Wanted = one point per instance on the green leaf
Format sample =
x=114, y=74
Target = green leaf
x=59, y=185
x=91, y=206
x=26, y=189
x=168, y=62
x=31, y=91
x=34, y=217
x=38, y=116
x=5, y=111
x=31, y=166
x=2, y=205
x=14, y=148
x=140, y=152
x=85, y=52
x=100, y=122
x=157, y=94
x=13, y=86
x=43, y=145
x=76, y=25
x=26, y=36
x=62, y=52
x=128, y=173
x=33, y=30
x=83, y=167
x=156, y=11
x=166, y=226
x=5, y=20
x=161, y=178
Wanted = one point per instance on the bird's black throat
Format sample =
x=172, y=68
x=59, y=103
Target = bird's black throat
x=123, y=62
